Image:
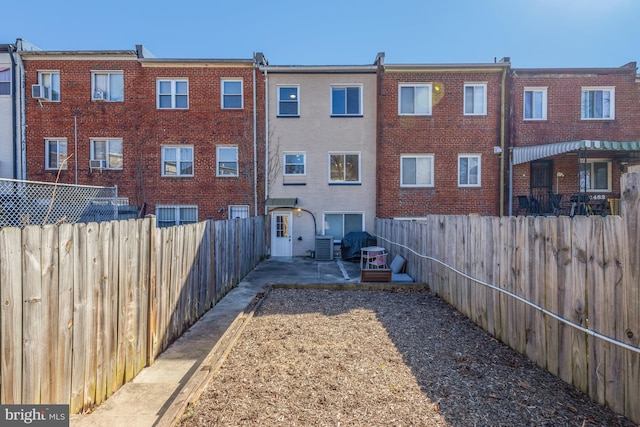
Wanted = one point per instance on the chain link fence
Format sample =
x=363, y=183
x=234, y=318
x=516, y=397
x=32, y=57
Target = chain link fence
x=25, y=203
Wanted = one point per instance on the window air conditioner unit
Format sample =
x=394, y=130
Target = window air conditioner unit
x=99, y=96
x=39, y=92
x=97, y=164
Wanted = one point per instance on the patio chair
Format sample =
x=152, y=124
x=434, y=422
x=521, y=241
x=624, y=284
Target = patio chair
x=555, y=201
x=379, y=261
x=524, y=204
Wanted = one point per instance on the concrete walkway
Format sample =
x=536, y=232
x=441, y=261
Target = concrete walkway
x=158, y=395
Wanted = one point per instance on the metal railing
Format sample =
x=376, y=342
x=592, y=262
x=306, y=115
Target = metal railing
x=25, y=203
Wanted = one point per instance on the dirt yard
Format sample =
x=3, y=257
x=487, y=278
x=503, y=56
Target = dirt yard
x=374, y=358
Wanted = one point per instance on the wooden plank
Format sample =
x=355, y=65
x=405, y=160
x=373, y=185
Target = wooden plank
x=64, y=349
x=111, y=248
x=551, y=293
x=152, y=322
x=492, y=271
x=103, y=311
x=517, y=309
x=565, y=286
x=450, y=259
x=11, y=316
x=131, y=301
x=50, y=301
x=535, y=336
x=92, y=281
x=142, y=285
x=614, y=246
x=123, y=291
x=34, y=362
x=596, y=310
x=80, y=290
x=575, y=306
x=507, y=230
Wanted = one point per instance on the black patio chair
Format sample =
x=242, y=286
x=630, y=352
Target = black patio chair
x=524, y=204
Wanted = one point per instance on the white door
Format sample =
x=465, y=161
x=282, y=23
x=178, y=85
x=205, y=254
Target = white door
x=281, y=233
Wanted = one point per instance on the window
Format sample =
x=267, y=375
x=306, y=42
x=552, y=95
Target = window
x=108, y=151
x=177, y=161
x=168, y=215
x=107, y=86
x=416, y=171
x=535, y=103
x=238, y=211
x=5, y=81
x=51, y=81
x=55, y=154
x=172, y=94
x=339, y=224
x=595, y=175
x=344, y=167
x=475, y=99
x=414, y=99
x=288, y=101
x=346, y=101
x=598, y=103
x=227, y=161
x=294, y=164
x=469, y=170
x=232, y=94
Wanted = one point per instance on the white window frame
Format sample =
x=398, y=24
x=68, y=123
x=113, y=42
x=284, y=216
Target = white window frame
x=533, y=90
x=224, y=94
x=173, y=93
x=239, y=211
x=178, y=160
x=109, y=95
x=592, y=178
x=431, y=178
x=108, y=152
x=177, y=215
x=470, y=156
x=346, y=87
x=6, y=83
x=612, y=102
x=343, y=214
x=295, y=100
x=344, y=172
x=51, y=80
x=484, y=104
x=295, y=153
x=60, y=161
x=219, y=162
x=414, y=86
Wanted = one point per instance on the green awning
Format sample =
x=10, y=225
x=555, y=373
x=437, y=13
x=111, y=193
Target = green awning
x=284, y=202
x=535, y=152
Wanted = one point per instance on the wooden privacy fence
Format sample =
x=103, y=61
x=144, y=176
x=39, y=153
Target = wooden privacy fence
x=85, y=307
x=563, y=291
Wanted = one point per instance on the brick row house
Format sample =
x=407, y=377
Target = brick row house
x=324, y=150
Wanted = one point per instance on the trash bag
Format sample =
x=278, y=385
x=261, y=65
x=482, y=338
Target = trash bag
x=352, y=242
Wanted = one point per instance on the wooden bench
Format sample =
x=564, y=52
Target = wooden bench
x=376, y=275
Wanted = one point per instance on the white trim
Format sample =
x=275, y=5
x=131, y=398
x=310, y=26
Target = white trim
x=107, y=151
x=345, y=86
x=46, y=153
x=173, y=94
x=286, y=86
x=414, y=86
x=470, y=155
x=464, y=98
x=417, y=156
x=533, y=89
x=345, y=153
x=222, y=92
x=178, y=161
x=343, y=213
x=218, y=148
x=295, y=153
x=612, y=101
x=176, y=208
x=591, y=176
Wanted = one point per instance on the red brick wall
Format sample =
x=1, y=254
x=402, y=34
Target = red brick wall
x=144, y=129
x=446, y=133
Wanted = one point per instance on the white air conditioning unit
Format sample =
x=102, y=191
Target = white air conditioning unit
x=99, y=96
x=39, y=92
x=97, y=164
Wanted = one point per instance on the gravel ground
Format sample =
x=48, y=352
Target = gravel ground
x=381, y=358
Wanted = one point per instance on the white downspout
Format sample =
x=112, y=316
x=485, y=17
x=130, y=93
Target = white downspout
x=266, y=140
x=255, y=147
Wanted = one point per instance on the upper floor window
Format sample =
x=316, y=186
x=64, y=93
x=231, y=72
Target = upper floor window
x=107, y=86
x=416, y=171
x=595, y=175
x=169, y=215
x=535, y=103
x=294, y=163
x=232, y=94
x=55, y=154
x=238, y=211
x=598, y=103
x=172, y=94
x=48, y=86
x=469, y=170
x=227, y=161
x=414, y=99
x=344, y=167
x=346, y=101
x=5, y=81
x=475, y=99
x=106, y=153
x=177, y=161
x=288, y=101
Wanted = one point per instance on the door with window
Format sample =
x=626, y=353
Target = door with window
x=281, y=233
x=541, y=178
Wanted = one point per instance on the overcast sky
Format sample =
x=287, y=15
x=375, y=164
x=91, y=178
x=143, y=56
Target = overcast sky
x=534, y=33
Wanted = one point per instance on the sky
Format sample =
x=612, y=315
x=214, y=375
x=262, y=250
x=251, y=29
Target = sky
x=533, y=33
